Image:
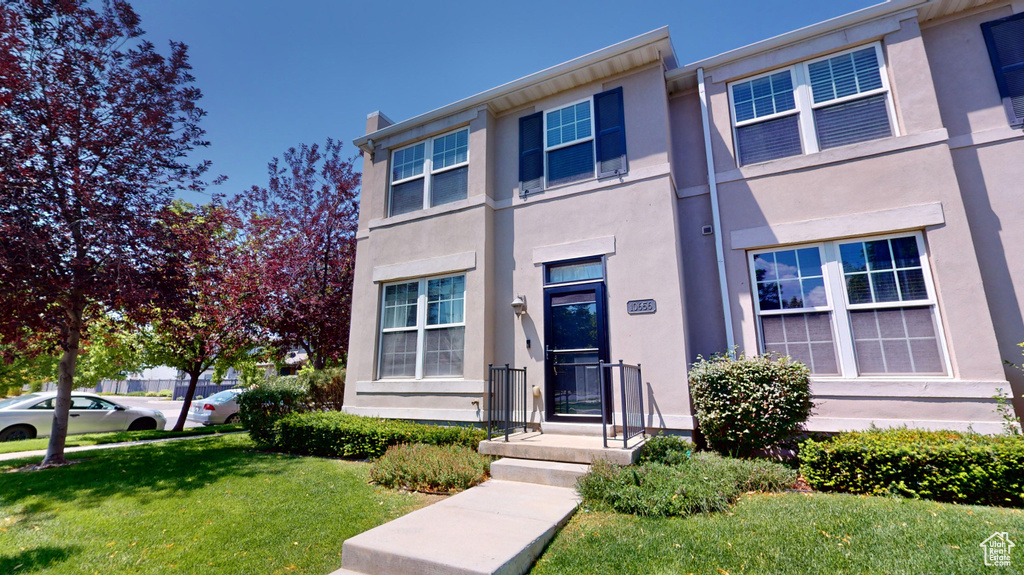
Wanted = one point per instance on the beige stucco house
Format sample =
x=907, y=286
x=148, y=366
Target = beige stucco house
x=849, y=194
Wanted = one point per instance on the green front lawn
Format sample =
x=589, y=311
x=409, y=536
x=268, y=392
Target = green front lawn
x=789, y=533
x=114, y=437
x=209, y=505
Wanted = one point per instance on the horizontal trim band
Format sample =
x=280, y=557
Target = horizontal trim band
x=420, y=268
x=422, y=387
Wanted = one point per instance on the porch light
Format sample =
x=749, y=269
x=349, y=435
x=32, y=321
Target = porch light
x=519, y=305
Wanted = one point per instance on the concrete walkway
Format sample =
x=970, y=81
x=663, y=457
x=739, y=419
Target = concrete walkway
x=499, y=527
x=42, y=452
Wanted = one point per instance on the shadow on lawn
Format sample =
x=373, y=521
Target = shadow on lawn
x=36, y=559
x=143, y=472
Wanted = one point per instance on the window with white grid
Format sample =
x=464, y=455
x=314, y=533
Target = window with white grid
x=851, y=307
x=824, y=103
x=423, y=328
x=429, y=173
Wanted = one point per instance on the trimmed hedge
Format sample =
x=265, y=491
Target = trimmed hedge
x=940, y=465
x=260, y=407
x=749, y=403
x=337, y=434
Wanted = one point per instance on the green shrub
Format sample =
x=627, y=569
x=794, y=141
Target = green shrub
x=704, y=483
x=666, y=449
x=326, y=387
x=336, y=434
x=164, y=393
x=749, y=403
x=422, y=467
x=136, y=394
x=941, y=465
x=261, y=406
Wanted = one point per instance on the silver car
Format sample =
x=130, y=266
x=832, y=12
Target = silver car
x=220, y=407
x=31, y=415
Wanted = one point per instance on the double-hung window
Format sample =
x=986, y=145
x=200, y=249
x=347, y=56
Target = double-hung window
x=423, y=328
x=572, y=142
x=851, y=307
x=824, y=103
x=1005, y=41
x=430, y=173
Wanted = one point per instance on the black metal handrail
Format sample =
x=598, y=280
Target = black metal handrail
x=506, y=400
x=632, y=397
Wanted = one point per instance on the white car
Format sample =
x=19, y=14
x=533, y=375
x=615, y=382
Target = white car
x=220, y=407
x=31, y=415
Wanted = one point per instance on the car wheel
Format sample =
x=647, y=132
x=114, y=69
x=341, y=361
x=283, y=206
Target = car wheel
x=142, y=423
x=233, y=418
x=17, y=432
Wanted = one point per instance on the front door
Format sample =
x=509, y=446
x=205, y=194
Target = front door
x=576, y=337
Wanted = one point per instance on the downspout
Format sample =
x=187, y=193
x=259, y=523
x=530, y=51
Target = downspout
x=715, y=216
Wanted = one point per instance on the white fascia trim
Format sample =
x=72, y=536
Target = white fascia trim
x=472, y=415
x=422, y=387
x=428, y=267
x=849, y=225
x=573, y=250
x=837, y=424
x=652, y=37
x=948, y=389
x=807, y=32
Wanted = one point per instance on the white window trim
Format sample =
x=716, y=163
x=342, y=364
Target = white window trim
x=804, y=100
x=428, y=167
x=420, y=328
x=835, y=287
x=544, y=127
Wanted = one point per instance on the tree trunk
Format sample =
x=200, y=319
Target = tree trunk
x=193, y=379
x=65, y=383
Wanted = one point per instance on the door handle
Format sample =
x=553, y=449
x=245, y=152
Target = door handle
x=74, y=414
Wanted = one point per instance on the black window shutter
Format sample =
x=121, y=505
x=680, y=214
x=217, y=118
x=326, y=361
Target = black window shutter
x=611, y=133
x=531, y=153
x=1005, y=41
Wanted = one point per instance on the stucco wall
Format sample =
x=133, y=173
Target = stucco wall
x=987, y=159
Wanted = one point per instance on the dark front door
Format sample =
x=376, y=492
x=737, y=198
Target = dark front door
x=576, y=337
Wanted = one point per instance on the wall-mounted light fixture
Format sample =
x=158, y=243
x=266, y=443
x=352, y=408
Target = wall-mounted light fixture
x=519, y=305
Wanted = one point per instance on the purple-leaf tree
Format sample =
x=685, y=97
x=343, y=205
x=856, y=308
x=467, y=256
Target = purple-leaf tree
x=96, y=128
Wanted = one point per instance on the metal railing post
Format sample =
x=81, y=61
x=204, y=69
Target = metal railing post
x=604, y=408
x=524, y=399
x=508, y=400
x=640, y=397
x=490, y=397
x=625, y=406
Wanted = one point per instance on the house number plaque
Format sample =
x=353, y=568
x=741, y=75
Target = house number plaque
x=639, y=306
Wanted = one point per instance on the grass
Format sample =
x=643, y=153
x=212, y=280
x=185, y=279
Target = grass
x=114, y=437
x=788, y=533
x=211, y=505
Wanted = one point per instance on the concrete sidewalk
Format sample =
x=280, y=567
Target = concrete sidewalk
x=42, y=452
x=499, y=527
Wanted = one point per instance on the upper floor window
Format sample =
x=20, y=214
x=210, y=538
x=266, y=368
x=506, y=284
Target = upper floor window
x=816, y=105
x=850, y=307
x=568, y=143
x=1005, y=41
x=430, y=173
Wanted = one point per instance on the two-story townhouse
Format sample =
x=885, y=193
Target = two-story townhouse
x=801, y=195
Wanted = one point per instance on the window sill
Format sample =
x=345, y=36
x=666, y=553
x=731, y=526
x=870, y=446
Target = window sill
x=588, y=185
x=470, y=202
x=425, y=386
x=834, y=156
x=911, y=387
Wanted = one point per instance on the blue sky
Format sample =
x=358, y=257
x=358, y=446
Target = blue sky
x=276, y=74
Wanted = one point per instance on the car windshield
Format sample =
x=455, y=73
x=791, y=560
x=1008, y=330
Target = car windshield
x=223, y=396
x=12, y=400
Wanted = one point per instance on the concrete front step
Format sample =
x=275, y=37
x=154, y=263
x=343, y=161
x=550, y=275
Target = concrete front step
x=541, y=472
x=499, y=527
x=563, y=448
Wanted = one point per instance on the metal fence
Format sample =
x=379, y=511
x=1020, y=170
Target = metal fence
x=177, y=387
x=631, y=387
x=506, y=400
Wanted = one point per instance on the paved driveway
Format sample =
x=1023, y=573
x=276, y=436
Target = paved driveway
x=168, y=407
